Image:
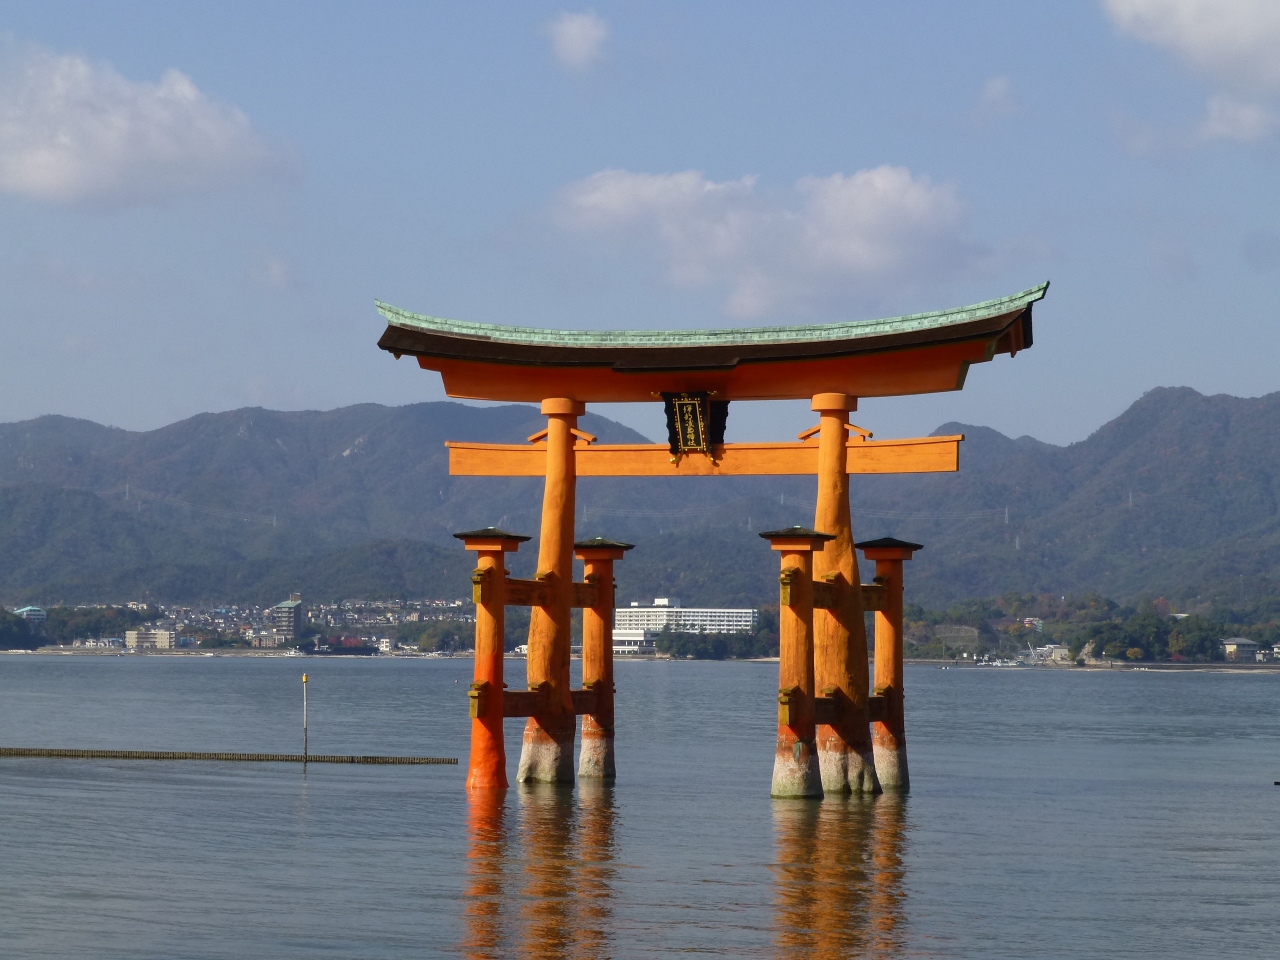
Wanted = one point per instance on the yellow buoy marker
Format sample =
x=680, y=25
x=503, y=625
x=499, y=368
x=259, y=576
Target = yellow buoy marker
x=304, y=718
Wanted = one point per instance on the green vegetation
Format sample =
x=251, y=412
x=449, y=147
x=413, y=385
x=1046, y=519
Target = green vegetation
x=66, y=624
x=439, y=636
x=1091, y=626
x=15, y=633
x=216, y=640
x=1177, y=495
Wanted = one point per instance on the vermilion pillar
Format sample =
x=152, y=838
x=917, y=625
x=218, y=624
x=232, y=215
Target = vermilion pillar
x=547, y=753
x=487, y=768
x=795, y=764
x=889, y=736
x=596, y=760
x=840, y=634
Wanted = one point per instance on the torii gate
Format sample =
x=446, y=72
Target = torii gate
x=697, y=373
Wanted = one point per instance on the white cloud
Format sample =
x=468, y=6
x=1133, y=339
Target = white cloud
x=74, y=131
x=578, y=39
x=828, y=240
x=1229, y=119
x=1236, y=40
x=998, y=96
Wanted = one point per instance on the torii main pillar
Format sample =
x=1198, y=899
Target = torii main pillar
x=839, y=632
x=547, y=753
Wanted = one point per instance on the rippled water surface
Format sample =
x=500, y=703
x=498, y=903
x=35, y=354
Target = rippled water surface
x=1070, y=814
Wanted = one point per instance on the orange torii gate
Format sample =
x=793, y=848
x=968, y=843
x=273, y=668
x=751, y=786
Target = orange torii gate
x=825, y=742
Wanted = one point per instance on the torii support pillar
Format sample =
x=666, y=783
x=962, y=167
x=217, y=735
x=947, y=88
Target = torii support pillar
x=596, y=760
x=547, y=753
x=889, y=735
x=796, y=774
x=487, y=768
x=840, y=634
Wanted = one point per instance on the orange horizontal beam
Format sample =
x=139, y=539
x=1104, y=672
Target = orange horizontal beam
x=919, y=455
x=930, y=369
x=531, y=703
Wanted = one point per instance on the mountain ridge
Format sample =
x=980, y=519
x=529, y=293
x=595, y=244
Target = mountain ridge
x=1178, y=494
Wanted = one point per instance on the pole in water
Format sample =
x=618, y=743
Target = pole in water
x=304, y=718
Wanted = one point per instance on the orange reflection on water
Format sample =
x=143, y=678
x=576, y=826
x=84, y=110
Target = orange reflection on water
x=596, y=853
x=483, y=898
x=548, y=894
x=838, y=876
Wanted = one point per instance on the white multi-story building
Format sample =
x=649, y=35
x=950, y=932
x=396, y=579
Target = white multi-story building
x=667, y=613
x=1052, y=653
x=151, y=639
x=634, y=643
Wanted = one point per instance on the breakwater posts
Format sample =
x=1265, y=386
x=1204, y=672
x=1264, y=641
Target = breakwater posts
x=56, y=753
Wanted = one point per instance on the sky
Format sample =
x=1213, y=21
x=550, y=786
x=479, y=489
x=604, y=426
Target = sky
x=200, y=202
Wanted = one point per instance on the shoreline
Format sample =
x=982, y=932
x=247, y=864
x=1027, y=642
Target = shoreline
x=1217, y=667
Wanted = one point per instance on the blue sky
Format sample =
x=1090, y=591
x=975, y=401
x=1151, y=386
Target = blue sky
x=200, y=202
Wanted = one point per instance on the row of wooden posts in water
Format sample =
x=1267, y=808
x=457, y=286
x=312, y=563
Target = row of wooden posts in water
x=834, y=737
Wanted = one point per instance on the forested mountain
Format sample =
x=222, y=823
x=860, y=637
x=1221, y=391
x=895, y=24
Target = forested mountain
x=1177, y=496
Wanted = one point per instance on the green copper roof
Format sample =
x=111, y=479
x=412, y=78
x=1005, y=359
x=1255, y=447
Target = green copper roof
x=537, y=336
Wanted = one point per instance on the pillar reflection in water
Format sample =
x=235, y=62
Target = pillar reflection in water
x=595, y=872
x=888, y=892
x=540, y=877
x=484, y=896
x=547, y=891
x=838, y=877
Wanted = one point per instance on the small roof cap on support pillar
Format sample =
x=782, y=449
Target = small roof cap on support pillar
x=599, y=548
x=833, y=401
x=796, y=538
x=491, y=538
x=888, y=548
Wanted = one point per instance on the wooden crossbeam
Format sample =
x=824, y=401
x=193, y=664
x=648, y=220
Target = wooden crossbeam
x=827, y=709
x=584, y=595
x=917, y=455
x=533, y=593
x=530, y=703
x=527, y=593
x=824, y=596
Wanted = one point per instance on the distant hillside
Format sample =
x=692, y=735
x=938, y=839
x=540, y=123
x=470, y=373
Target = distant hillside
x=1177, y=496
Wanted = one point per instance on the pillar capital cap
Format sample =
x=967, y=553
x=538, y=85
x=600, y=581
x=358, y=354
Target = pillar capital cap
x=833, y=401
x=563, y=407
x=491, y=539
x=888, y=548
x=796, y=539
x=599, y=548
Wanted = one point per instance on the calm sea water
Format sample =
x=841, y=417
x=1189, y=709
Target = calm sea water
x=1071, y=814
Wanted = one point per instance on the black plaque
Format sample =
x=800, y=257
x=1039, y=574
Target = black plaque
x=695, y=422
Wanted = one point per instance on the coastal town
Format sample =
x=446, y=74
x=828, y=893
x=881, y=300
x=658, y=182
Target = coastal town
x=642, y=629
x=356, y=626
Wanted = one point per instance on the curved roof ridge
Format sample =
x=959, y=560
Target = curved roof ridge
x=729, y=336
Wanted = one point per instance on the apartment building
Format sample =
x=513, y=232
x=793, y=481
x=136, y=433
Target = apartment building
x=286, y=618
x=151, y=639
